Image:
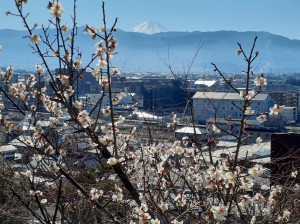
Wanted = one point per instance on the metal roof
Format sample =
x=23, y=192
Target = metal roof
x=190, y=130
x=207, y=83
x=226, y=96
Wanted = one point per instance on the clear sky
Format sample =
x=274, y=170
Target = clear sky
x=275, y=16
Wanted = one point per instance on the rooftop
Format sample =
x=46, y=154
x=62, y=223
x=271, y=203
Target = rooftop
x=207, y=83
x=254, y=151
x=226, y=96
x=190, y=130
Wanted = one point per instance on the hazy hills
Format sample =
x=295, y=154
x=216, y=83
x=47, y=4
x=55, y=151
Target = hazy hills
x=142, y=52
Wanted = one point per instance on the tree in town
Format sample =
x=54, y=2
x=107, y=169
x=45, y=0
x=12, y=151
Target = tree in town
x=136, y=181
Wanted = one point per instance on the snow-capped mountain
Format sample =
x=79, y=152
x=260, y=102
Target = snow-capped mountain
x=149, y=28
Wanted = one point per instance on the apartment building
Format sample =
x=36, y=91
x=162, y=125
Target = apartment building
x=222, y=104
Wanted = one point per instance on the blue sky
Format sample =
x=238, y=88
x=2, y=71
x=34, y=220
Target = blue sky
x=275, y=16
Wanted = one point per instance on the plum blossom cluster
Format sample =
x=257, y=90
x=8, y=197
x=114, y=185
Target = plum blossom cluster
x=56, y=9
x=176, y=181
x=6, y=76
x=35, y=38
x=95, y=194
x=260, y=81
x=249, y=96
x=276, y=109
x=84, y=119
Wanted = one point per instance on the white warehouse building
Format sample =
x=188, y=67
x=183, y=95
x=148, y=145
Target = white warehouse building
x=221, y=105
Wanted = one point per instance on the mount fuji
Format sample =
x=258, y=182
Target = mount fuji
x=149, y=28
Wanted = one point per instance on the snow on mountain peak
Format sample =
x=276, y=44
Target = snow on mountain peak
x=149, y=28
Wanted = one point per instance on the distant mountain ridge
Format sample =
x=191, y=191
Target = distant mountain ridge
x=138, y=52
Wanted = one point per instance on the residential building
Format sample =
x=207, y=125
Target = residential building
x=160, y=94
x=289, y=114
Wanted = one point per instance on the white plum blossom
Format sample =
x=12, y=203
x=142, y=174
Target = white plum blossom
x=16, y=174
x=35, y=38
x=260, y=81
x=53, y=167
x=39, y=69
x=181, y=200
x=102, y=63
x=256, y=171
x=219, y=212
x=238, y=52
x=99, y=51
x=77, y=64
x=69, y=91
x=2, y=106
x=247, y=183
x=154, y=221
x=37, y=157
x=103, y=29
x=144, y=207
x=144, y=217
x=84, y=119
x=106, y=110
x=90, y=30
x=242, y=94
x=275, y=110
x=253, y=220
x=164, y=207
x=27, y=173
x=284, y=218
x=261, y=118
x=294, y=174
x=78, y=104
x=96, y=73
x=215, y=129
x=112, y=161
x=231, y=177
x=56, y=9
x=249, y=111
x=250, y=95
x=64, y=79
x=245, y=202
x=121, y=119
x=65, y=28
x=258, y=140
x=116, y=71
x=44, y=201
x=258, y=199
x=95, y=194
x=103, y=140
